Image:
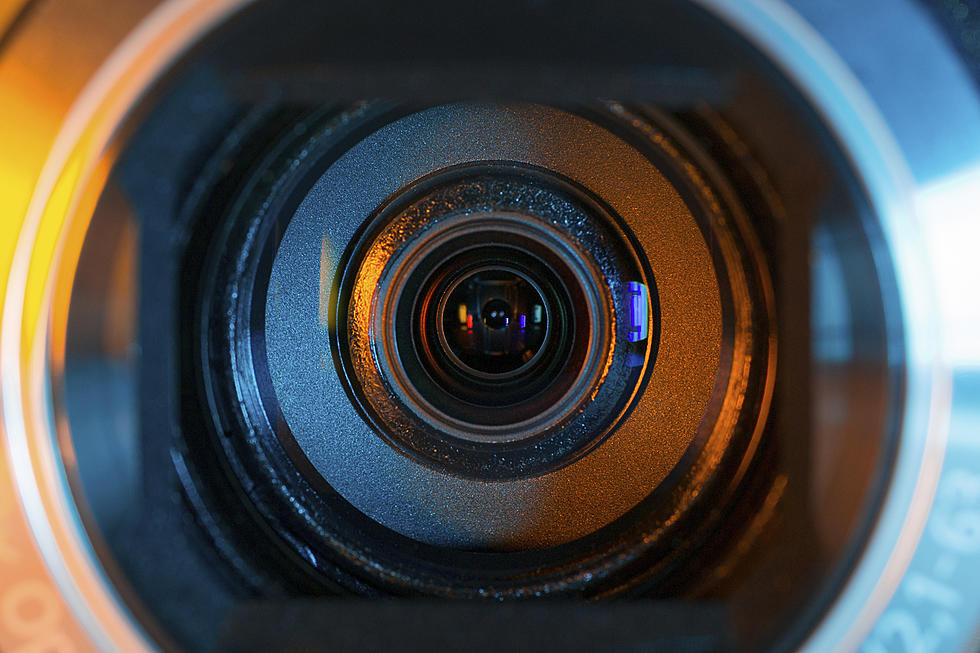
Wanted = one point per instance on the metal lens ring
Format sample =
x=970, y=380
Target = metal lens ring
x=544, y=415
x=470, y=491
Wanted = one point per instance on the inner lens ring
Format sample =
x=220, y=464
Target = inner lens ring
x=447, y=348
x=396, y=284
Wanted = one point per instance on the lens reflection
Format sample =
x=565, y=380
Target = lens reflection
x=494, y=321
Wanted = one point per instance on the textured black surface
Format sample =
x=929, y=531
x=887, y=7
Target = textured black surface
x=424, y=627
x=438, y=51
x=160, y=552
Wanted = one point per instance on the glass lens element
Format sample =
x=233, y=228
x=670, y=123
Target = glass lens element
x=494, y=321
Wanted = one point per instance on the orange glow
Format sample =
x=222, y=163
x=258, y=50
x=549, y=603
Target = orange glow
x=31, y=110
x=8, y=10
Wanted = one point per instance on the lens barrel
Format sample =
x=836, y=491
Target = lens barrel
x=486, y=316
x=491, y=337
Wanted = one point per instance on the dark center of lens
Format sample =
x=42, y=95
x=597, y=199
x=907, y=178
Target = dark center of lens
x=494, y=321
x=496, y=314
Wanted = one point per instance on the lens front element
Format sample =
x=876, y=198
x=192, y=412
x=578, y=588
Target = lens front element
x=510, y=326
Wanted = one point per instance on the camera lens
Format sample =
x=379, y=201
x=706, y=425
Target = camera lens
x=510, y=328
x=483, y=332
x=473, y=314
x=417, y=301
x=493, y=317
x=493, y=326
